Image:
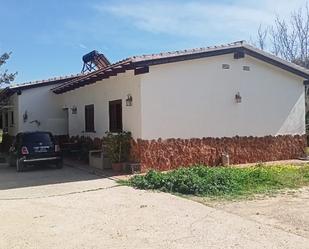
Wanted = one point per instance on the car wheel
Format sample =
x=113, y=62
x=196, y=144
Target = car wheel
x=19, y=165
x=59, y=165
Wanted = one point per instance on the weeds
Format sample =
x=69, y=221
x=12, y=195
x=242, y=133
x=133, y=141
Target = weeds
x=220, y=181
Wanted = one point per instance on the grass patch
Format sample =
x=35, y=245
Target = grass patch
x=223, y=181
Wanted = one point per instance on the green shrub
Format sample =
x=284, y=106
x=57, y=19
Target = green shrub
x=118, y=146
x=216, y=181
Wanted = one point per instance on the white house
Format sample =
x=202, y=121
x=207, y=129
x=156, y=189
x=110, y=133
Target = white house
x=234, y=91
x=33, y=107
x=191, y=94
x=190, y=106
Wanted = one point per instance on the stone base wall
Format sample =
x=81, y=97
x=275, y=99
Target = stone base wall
x=174, y=153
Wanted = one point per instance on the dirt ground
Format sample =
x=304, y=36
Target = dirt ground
x=69, y=209
x=287, y=210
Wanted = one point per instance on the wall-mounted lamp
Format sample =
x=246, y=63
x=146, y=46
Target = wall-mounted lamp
x=129, y=100
x=74, y=109
x=37, y=122
x=25, y=116
x=238, y=97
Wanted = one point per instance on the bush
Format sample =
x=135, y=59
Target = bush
x=118, y=146
x=206, y=181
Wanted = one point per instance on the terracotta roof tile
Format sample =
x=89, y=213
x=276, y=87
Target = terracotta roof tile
x=75, y=81
x=36, y=82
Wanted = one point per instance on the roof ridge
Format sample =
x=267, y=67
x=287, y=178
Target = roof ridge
x=275, y=57
x=33, y=82
x=179, y=52
x=186, y=51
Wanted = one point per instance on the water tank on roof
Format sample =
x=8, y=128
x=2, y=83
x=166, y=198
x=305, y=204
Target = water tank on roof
x=93, y=61
x=90, y=56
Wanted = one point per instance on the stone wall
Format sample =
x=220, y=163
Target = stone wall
x=173, y=153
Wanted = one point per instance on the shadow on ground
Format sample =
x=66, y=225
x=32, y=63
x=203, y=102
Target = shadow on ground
x=40, y=175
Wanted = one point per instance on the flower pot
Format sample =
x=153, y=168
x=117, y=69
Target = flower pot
x=118, y=167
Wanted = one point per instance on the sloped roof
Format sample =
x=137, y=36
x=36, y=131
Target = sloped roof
x=39, y=83
x=10, y=90
x=144, y=61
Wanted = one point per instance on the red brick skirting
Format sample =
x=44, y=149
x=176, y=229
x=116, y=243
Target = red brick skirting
x=174, y=153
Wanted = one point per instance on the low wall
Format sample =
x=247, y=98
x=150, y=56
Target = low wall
x=173, y=153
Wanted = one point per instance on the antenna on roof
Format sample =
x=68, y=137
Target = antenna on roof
x=93, y=61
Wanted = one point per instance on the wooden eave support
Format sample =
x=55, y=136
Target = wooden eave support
x=141, y=70
x=119, y=69
x=239, y=54
x=113, y=71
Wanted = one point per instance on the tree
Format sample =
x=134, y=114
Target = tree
x=261, y=37
x=288, y=39
x=6, y=77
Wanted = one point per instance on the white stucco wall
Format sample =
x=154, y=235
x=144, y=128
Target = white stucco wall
x=14, y=107
x=42, y=105
x=100, y=94
x=197, y=99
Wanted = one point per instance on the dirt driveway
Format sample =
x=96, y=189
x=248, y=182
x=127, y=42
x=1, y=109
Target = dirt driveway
x=288, y=210
x=71, y=209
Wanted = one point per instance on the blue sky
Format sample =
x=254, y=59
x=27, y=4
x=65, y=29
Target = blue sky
x=49, y=37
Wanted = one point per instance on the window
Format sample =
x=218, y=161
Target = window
x=115, y=116
x=246, y=68
x=225, y=66
x=12, y=118
x=37, y=137
x=89, y=118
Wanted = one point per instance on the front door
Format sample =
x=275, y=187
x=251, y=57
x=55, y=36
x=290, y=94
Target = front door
x=115, y=115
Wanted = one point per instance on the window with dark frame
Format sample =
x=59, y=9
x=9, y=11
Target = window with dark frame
x=89, y=118
x=115, y=116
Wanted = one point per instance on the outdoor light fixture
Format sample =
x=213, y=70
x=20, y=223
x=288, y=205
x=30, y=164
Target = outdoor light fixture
x=37, y=122
x=238, y=98
x=129, y=100
x=25, y=116
x=74, y=109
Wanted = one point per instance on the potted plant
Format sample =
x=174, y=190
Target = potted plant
x=118, y=149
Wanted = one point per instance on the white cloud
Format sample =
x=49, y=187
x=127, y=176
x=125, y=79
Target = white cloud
x=83, y=46
x=200, y=18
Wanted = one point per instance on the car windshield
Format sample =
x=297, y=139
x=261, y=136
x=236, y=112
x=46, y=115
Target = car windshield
x=36, y=138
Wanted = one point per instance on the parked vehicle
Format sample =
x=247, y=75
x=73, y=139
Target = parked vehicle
x=31, y=148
